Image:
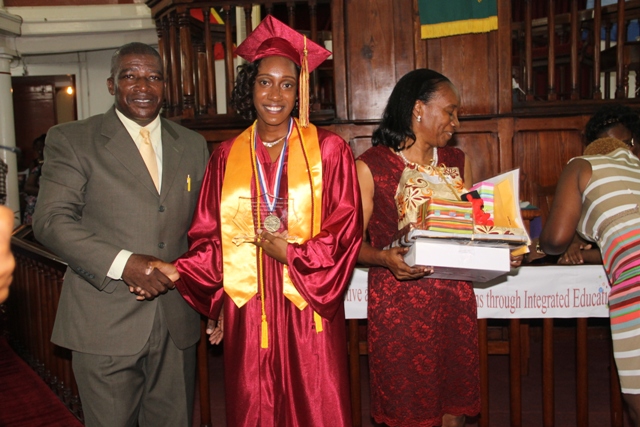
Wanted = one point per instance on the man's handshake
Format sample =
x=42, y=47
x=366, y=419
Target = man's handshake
x=148, y=276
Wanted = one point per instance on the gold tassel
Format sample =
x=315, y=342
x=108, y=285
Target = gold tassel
x=318, y=320
x=264, y=342
x=303, y=90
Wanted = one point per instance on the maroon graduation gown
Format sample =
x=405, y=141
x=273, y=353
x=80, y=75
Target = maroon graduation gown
x=301, y=379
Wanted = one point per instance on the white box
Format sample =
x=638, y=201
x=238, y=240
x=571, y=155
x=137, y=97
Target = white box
x=459, y=259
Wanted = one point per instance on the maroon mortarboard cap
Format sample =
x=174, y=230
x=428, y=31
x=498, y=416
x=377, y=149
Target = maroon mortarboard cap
x=274, y=38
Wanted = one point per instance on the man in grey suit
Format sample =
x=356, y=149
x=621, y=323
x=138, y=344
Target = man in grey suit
x=101, y=205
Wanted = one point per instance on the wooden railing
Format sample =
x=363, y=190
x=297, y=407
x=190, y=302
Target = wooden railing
x=563, y=56
x=31, y=310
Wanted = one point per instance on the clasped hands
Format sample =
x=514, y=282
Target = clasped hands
x=148, y=276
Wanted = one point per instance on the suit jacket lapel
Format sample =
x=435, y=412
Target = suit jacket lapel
x=122, y=147
x=172, y=151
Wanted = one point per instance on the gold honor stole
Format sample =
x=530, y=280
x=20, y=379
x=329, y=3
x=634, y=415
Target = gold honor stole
x=241, y=279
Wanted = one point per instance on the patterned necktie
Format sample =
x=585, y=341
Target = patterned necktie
x=149, y=156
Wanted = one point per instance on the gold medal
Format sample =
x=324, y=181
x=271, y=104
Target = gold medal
x=272, y=223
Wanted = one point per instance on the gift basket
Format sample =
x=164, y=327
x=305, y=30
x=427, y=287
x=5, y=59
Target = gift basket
x=464, y=234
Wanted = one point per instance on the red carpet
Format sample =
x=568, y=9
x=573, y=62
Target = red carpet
x=25, y=400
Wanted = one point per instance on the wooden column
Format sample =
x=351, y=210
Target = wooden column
x=176, y=83
x=597, y=25
x=228, y=50
x=575, y=94
x=528, y=51
x=621, y=90
x=210, y=64
x=551, y=57
x=186, y=50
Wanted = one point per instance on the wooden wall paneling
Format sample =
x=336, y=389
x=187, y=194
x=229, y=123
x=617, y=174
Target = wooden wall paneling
x=403, y=53
x=541, y=156
x=371, y=50
x=470, y=62
x=482, y=149
x=505, y=143
x=434, y=54
x=357, y=135
x=420, y=45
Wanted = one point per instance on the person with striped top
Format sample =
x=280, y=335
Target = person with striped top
x=598, y=195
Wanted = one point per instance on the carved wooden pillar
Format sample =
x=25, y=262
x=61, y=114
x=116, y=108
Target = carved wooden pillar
x=315, y=84
x=291, y=13
x=228, y=49
x=575, y=94
x=186, y=49
x=210, y=64
x=551, y=58
x=621, y=73
x=163, y=49
x=607, y=75
x=176, y=83
x=597, y=24
x=248, y=24
x=268, y=6
x=528, y=51
x=201, y=77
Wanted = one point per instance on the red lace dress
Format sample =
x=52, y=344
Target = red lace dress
x=423, y=334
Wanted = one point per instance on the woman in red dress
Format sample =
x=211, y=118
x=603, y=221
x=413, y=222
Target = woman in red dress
x=423, y=335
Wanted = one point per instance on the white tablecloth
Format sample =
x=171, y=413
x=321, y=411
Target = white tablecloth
x=525, y=293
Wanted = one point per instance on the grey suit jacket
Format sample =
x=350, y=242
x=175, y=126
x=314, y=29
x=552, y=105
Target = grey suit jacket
x=96, y=197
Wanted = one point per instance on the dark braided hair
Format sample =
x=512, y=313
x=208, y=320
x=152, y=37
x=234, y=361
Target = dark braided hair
x=395, y=127
x=242, y=94
x=609, y=116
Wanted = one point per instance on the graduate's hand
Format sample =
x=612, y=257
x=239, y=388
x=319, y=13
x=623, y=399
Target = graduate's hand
x=393, y=259
x=165, y=268
x=273, y=244
x=216, y=331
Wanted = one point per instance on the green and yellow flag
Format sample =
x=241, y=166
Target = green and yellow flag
x=439, y=18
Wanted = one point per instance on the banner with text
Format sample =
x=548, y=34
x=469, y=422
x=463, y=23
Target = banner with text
x=525, y=293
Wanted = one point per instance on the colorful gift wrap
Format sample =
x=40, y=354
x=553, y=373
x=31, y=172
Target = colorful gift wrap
x=452, y=216
x=485, y=190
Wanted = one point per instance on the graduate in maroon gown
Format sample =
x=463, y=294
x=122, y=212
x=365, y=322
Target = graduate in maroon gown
x=273, y=243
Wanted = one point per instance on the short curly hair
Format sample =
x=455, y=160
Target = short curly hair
x=242, y=95
x=604, y=146
x=610, y=116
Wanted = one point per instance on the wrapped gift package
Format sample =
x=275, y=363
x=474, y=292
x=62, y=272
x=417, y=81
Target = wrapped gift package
x=452, y=216
x=460, y=259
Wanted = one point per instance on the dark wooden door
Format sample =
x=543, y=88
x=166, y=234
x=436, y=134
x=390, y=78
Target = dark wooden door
x=34, y=111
